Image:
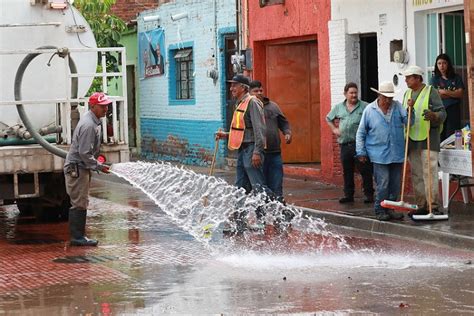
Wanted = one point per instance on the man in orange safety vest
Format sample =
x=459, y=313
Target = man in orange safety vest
x=247, y=135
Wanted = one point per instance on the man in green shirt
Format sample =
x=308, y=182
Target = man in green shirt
x=349, y=113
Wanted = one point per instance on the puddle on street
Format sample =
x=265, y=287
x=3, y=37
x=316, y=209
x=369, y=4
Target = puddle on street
x=162, y=263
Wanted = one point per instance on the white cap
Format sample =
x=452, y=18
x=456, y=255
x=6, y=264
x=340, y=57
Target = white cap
x=413, y=70
x=386, y=89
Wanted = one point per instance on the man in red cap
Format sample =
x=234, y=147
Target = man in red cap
x=80, y=161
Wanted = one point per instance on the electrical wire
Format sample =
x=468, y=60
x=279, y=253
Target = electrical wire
x=75, y=22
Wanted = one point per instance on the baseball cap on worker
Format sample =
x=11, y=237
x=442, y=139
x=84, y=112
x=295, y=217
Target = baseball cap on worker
x=386, y=89
x=413, y=70
x=240, y=79
x=99, y=98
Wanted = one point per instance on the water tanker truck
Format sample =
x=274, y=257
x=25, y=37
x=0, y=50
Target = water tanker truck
x=48, y=61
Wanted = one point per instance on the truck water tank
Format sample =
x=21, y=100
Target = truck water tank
x=26, y=24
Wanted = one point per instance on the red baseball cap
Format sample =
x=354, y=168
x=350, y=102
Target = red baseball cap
x=99, y=98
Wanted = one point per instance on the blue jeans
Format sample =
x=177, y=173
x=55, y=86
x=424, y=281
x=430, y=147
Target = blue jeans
x=387, y=181
x=273, y=173
x=247, y=176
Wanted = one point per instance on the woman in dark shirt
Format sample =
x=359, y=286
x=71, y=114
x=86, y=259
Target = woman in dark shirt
x=451, y=89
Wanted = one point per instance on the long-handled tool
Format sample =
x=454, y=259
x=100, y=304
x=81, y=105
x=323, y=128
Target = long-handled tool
x=207, y=229
x=430, y=216
x=402, y=205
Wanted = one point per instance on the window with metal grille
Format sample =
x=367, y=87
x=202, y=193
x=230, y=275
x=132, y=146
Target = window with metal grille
x=184, y=74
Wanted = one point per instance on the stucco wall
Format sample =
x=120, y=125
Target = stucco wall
x=297, y=20
x=386, y=19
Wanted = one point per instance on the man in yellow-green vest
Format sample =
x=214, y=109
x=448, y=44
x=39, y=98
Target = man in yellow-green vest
x=427, y=102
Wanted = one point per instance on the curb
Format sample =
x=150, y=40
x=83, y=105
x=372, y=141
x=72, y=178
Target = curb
x=417, y=233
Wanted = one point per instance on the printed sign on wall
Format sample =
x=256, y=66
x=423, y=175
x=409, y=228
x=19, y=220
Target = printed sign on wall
x=151, y=46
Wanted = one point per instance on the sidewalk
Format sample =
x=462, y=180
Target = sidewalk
x=322, y=200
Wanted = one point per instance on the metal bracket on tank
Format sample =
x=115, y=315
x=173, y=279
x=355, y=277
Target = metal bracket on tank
x=30, y=195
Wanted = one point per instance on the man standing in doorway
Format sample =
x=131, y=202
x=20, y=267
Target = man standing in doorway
x=275, y=122
x=247, y=135
x=426, y=101
x=349, y=113
x=80, y=161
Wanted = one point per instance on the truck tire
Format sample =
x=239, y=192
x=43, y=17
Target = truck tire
x=25, y=207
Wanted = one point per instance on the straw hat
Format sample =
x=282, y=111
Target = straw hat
x=386, y=89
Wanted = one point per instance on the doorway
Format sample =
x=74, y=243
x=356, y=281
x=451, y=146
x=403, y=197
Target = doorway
x=230, y=48
x=131, y=102
x=292, y=81
x=369, y=72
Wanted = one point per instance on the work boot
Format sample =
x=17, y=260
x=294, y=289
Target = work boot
x=394, y=215
x=420, y=211
x=77, y=228
x=382, y=216
x=346, y=200
x=369, y=199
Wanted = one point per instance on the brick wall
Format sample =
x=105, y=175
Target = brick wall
x=128, y=9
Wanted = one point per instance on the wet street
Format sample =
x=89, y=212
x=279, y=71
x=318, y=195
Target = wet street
x=148, y=263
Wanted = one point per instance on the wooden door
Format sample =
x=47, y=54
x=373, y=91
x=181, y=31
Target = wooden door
x=292, y=74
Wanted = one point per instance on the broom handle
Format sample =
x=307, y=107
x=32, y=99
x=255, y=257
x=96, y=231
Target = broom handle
x=429, y=167
x=406, y=154
x=213, y=163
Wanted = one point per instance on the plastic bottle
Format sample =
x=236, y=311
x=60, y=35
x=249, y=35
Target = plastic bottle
x=458, y=139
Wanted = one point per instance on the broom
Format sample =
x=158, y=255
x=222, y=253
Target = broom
x=207, y=229
x=402, y=205
x=430, y=216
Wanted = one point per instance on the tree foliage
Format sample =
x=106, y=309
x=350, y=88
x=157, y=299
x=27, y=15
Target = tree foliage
x=107, y=27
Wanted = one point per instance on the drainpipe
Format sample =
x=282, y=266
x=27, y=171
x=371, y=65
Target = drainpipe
x=405, y=31
x=237, y=19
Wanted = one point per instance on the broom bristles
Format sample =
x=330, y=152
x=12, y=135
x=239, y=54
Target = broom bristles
x=399, y=205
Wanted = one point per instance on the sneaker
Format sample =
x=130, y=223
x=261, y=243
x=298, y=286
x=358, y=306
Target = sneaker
x=437, y=212
x=369, y=199
x=395, y=215
x=383, y=217
x=346, y=200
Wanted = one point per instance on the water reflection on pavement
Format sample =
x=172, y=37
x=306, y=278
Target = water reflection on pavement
x=145, y=264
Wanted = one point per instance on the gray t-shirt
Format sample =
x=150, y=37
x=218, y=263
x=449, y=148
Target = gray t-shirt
x=85, y=143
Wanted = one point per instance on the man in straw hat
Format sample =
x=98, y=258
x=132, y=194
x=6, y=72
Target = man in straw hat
x=380, y=138
x=426, y=101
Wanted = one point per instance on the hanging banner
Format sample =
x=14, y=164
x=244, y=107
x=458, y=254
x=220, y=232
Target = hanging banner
x=151, y=45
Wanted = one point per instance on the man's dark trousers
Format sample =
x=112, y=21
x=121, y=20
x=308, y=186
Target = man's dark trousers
x=349, y=163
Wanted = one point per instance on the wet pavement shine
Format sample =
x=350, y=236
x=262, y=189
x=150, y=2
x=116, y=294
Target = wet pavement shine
x=146, y=264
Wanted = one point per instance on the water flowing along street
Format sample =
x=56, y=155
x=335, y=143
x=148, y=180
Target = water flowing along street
x=162, y=251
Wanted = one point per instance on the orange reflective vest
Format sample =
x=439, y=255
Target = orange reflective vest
x=237, y=127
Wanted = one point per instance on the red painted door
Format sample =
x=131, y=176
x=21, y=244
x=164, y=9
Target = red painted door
x=293, y=83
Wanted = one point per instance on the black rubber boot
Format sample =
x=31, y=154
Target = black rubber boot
x=77, y=228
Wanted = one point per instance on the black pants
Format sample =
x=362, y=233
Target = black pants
x=349, y=164
x=453, y=121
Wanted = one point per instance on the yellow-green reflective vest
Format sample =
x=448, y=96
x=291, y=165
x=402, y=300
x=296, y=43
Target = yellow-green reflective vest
x=419, y=130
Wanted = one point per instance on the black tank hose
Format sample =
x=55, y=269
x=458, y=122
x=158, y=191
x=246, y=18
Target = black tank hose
x=21, y=110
